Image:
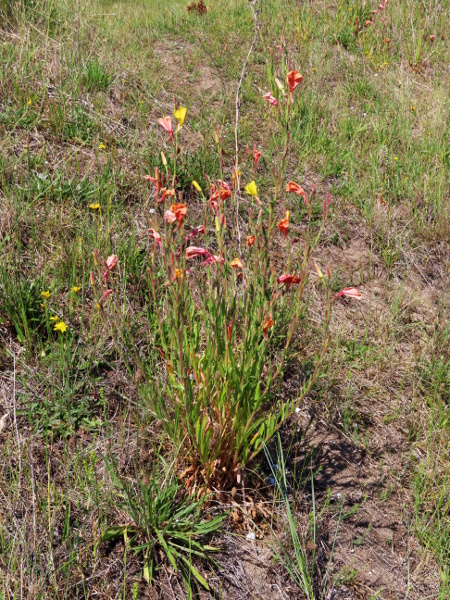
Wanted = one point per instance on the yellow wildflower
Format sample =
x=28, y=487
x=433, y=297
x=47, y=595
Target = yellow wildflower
x=54, y=318
x=61, y=326
x=102, y=146
x=251, y=189
x=94, y=206
x=197, y=187
x=76, y=289
x=395, y=157
x=46, y=294
x=180, y=115
x=29, y=102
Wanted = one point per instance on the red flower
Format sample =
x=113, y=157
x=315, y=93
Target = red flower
x=256, y=156
x=294, y=79
x=251, y=240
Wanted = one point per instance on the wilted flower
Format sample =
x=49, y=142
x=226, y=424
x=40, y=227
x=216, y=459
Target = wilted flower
x=212, y=259
x=251, y=239
x=294, y=79
x=350, y=292
x=270, y=99
x=180, y=115
x=61, y=326
x=283, y=225
x=432, y=38
x=166, y=123
x=194, y=251
x=288, y=280
x=251, y=189
x=236, y=263
x=105, y=295
x=46, y=294
x=196, y=231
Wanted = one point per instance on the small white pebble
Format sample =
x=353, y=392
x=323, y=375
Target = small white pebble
x=251, y=537
x=297, y=410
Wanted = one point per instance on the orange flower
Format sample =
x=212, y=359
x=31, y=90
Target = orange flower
x=236, y=263
x=179, y=210
x=283, y=225
x=178, y=274
x=268, y=323
x=294, y=79
x=297, y=189
x=251, y=240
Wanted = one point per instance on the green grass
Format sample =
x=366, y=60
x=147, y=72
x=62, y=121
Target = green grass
x=82, y=88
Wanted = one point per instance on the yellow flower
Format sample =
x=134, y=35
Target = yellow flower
x=54, y=318
x=61, y=326
x=197, y=187
x=251, y=189
x=94, y=206
x=29, y=102
x=46, y=294
x=97, y=306
x=413, y=108
x=102, y=146
x=76, y=288
x=395, y=157
x=180, y=115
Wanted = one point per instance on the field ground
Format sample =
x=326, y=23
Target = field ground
x=357, y=505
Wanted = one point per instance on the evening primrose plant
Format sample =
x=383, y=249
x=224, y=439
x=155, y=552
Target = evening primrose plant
x=218, y=301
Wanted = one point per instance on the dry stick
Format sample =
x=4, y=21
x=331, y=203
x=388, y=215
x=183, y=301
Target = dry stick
x=236, y=122
x=15, y=420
